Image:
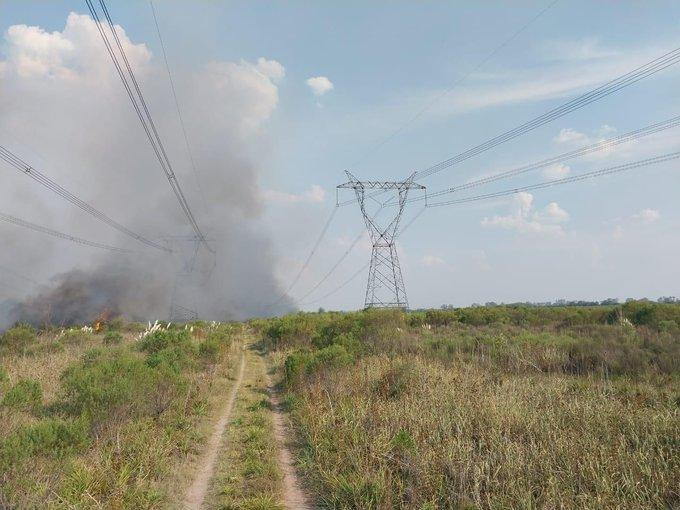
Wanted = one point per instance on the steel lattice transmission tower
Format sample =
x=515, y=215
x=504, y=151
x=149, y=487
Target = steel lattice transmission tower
x=385, y=287
x=183, y=306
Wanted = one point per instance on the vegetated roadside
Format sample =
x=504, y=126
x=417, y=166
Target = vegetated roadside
x=486, y=407
x=109, y=419
x=248, y=475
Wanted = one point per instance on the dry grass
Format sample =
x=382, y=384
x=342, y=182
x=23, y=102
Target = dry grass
x=408, y=433
x=500, y=407
x=131, y=459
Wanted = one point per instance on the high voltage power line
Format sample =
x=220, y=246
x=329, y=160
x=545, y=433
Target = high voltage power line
x=143, y=112
x=54, y=233
x=602, y=145
x=308, y=259
x=546, y=184
x=339, y=261
x=459, y=81
x=565, y=180
x=650, y=68
x=363, y=268
x=26, y=169
x=418, y=114
x=179, y=110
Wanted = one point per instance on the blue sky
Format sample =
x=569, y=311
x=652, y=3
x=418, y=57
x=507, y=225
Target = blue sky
x=610, y=237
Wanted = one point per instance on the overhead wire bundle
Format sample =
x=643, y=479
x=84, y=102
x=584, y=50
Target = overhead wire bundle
x=602, y=145
x=625, y=80
x=14, y=160
x=139, y=104
x=54, y=233
x=565, y=180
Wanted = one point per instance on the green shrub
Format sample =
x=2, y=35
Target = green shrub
x=115, y=324
x=303, y=363
x=209, y=349
x=222, y=334
x=176, y=358
x=4, y=377
x=18, y=339
x=53, y=437
x=26, y=395
x=159, y=340
x=76, y=337
x=110, y=388
x=112, y=337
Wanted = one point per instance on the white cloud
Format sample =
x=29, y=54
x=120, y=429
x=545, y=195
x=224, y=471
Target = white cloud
x=249, y=89
x=555, y=78
x=556, y=171
x=553, y=213
x=606, y=130
x=319, y=85
x=525, y=220
x=588, y=48
x=647, y=215
x=314, y=195
x=577, y=139
x=75, y=53
x=434, y=261
x=568, y=135
x=271, y=69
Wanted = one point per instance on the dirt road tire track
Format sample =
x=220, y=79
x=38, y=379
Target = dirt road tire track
x=294, y=497
x=206, y=466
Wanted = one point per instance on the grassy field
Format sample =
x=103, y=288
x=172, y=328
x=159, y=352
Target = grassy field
x=108, y=419
x=489, y=407
x=485, y=407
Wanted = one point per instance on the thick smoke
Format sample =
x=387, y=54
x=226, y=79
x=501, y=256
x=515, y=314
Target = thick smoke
x=64, y=110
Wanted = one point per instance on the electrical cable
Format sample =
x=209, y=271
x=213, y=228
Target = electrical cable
x=179, y=110
x=307, y=260
x=588, y=149
x=566, y=180
x=648, y=69
x=144, y=116
x=455, y=84
x=26, y=169
x=54, y=233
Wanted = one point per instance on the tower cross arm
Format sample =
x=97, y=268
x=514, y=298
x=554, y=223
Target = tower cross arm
x=397, y=185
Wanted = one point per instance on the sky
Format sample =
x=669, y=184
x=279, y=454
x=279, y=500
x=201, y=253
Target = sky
x=298, y=92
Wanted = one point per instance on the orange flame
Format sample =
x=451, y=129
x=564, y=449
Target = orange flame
x=101, y=320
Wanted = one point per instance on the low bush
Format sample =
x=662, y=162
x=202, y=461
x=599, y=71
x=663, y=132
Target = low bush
x=112, y=337
x=52, y=437
x=163, y=339
x=221, y=334
x=111, y=387
x=18, y=339
x=25, y=395
x=209, y=350
x=175, y=358
x=304, y=363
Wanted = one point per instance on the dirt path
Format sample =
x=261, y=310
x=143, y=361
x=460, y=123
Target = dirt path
x=199, y=488
x=293, y=496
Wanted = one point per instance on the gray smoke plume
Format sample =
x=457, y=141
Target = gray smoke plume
x=64, y=111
